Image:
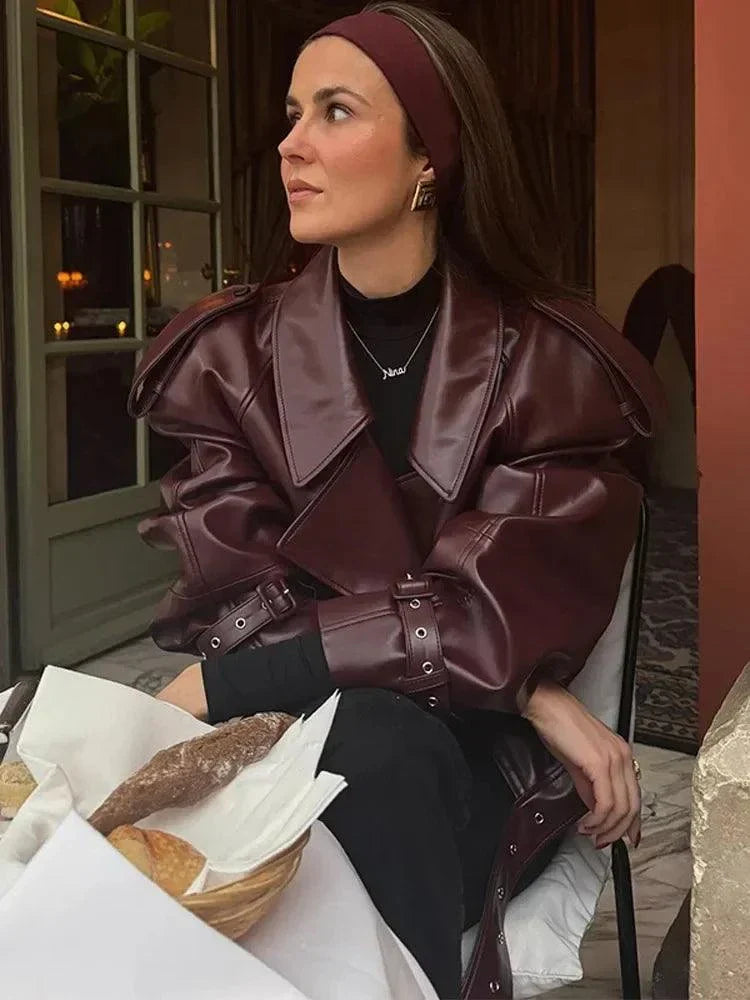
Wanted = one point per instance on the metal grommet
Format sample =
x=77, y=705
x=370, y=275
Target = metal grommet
x=215, y=642
x=538, y=819
x=432, y=701
x=415, y=604
x=240, y=623
x=494, y=986
x=501, y=893
x=427, y=667
x=501, y=938
x=420, y=633
x=513, y=849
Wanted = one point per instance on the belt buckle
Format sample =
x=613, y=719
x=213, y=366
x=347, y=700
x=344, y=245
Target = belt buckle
x=277, y=599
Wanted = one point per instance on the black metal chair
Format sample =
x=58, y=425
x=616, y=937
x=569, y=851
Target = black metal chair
x=621, y=875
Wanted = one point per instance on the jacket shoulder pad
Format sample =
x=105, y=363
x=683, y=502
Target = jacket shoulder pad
x=168, y=350
x=636, y=385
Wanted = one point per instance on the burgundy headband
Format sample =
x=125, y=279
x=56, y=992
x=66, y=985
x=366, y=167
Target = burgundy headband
x=406, y=64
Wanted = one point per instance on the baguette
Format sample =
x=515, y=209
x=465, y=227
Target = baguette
x=187, y=772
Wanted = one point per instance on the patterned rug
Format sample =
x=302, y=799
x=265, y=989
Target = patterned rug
x=667, y=672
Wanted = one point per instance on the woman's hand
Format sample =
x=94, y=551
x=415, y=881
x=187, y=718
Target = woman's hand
x=186, y=691
x=599, y=762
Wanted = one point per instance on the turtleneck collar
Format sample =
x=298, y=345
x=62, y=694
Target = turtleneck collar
x=394, y=316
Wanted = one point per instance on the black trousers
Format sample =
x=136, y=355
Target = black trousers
x=420, y=821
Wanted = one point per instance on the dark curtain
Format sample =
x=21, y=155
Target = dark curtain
x=540, y=53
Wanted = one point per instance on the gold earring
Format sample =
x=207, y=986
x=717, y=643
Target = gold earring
x=425, y=196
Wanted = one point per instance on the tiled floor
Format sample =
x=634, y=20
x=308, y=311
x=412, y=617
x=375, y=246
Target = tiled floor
x=661, y=865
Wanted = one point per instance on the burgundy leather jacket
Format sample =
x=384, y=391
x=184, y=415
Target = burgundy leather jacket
x=495, y=562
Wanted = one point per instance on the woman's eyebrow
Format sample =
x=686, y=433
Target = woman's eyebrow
x=324, y=94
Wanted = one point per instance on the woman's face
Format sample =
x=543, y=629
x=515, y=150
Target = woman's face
x=345, y=164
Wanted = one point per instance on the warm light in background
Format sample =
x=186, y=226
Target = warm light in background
x=68, y=280
x=147, y=275
x=61, y=329
x=122, y=328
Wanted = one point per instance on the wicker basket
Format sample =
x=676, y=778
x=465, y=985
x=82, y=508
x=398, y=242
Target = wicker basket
x=234, y=908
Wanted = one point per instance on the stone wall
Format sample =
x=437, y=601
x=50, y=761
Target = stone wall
x=720, y=908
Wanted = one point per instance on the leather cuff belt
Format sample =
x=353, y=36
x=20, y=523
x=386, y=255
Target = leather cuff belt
x=269, y=602
x=426, y=678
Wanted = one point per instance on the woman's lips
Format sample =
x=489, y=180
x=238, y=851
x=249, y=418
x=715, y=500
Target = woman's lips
x=301, y=195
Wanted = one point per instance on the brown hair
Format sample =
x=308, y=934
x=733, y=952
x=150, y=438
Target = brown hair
x=491, y=224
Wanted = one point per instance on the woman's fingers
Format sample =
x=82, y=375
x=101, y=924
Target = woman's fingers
x=604, y=798
x=624, y=817
x=619, y=759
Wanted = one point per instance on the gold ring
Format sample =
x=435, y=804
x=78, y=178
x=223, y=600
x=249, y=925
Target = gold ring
x=637, y=769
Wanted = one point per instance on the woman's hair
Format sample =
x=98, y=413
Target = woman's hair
x=491, y=224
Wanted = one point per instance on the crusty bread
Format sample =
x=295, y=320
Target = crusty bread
x=169, y=861
x=187, y=772
x=16, y=784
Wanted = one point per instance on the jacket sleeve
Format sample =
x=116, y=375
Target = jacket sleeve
x=517, y=589
x=223, y=518
x=219, y=511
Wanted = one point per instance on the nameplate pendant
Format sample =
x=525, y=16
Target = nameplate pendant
x=393, y=372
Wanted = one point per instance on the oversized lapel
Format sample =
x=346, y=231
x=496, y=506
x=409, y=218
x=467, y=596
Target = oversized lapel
x=322, y=405
x=354, y=533
x=459, y=385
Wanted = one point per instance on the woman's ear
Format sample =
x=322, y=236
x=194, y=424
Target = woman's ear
x=427, y=174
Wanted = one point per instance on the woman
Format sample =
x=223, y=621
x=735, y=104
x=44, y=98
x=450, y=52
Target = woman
x=401, y=483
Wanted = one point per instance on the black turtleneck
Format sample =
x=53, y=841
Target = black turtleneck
x=391, y=328
x=288, y=674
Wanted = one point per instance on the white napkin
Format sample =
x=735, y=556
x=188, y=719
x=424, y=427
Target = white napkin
x=83, y=735
x=82, y=924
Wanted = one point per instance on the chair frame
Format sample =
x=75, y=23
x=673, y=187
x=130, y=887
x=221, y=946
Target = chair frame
x=621, y=874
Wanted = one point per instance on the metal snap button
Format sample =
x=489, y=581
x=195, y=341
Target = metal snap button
x=494, y=986
x=427, y=667
x=415, y=604
x=215, y=642
x=514, y=849
x=432, y=701
x=538, y=819
x=240, y=623
x=501, y=938
x=420, y=633
x=501, y=893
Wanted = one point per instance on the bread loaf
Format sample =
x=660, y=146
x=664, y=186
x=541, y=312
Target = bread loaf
x=16, y=784
x=169, y=861
x=187, y=772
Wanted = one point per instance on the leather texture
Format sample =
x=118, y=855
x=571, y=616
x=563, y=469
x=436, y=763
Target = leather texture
x=497, y=562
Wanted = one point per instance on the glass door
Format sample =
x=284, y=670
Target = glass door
x=117, y=177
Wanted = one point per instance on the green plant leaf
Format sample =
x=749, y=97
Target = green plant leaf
x=148, y=24
x=87, y=59
x=65, y=7
x=77, y=57
x=114, y=17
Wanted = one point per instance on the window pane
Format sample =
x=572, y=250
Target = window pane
x=175, y=156
x=175, y=25
x=90, y=437
x=83, y=121
x=88, y=268
x=177, y=264
x=163, y=453
x=109, y=14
